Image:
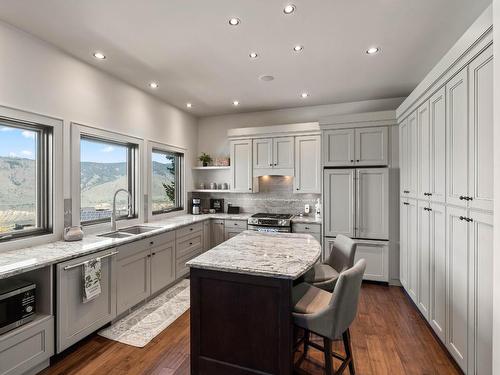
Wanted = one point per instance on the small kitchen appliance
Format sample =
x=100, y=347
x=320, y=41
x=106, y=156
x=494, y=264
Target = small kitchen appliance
x=17, y=303
x=217, y=205
x=265, y=222
x=196, y=206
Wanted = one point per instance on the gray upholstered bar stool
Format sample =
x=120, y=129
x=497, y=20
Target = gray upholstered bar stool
x=324, y=275
x=329, y=315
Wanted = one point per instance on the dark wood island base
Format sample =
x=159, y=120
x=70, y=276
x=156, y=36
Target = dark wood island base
x=240, y=324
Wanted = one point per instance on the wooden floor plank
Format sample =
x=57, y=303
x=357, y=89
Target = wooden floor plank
x=389, y=336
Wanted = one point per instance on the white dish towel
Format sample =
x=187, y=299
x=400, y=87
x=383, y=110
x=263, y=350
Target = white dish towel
x=91, y=279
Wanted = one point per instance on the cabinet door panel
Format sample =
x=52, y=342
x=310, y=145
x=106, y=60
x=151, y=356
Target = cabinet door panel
x=338, y=148
x=217, y=235
x=76, y=319
x=263, y=153
x=283, y=152
x=371, y=146
x=458, y=279
x=437, y=106
x=481, y=293
x=403, y=243
x=424, y=150
x=437, y=313
x=307, y=165
x=481, y=131
x=423, y=258
x=403, y=158
x=376, y=256
x=241, y=166
x=338, y=198
x=133, y=280
x=412, y=250
x=372, y=203
x=412, y=151
x=162, y=266
x=457, y=133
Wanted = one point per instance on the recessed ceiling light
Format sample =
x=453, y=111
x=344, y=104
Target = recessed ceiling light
x=154, y=85
x=234, y=21
x=266, y=78
x=189, y=105
x=235, y=103
x=298, y=48
x=304, y=95
x=99, y=55
x=372, y=50
x=253, y=55
x=289, y=9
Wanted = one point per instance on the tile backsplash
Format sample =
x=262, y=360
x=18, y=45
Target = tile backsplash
x=275, y=196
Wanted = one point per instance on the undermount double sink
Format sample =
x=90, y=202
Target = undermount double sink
x=129, y=231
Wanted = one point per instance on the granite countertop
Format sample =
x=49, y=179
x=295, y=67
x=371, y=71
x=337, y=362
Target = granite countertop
x=279, y=255
x=14, y=262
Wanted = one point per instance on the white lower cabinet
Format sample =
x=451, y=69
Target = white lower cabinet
x=412, y=249
x=233, y=228
x=162, y=266
x=376, y=254
x=424, y=245
x=76, y=319
x=217, y=232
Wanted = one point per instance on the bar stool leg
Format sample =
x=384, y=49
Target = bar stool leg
x=307, y=337
x=327, y=345
x=348, y=351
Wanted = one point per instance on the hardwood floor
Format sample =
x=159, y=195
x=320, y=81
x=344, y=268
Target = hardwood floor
x=389, y=337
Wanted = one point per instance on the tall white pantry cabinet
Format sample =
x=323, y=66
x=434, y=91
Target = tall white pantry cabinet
x=446, y=193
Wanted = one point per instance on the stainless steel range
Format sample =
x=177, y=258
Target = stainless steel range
x=270, y=223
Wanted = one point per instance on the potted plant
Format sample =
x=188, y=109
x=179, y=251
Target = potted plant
x=205, y=159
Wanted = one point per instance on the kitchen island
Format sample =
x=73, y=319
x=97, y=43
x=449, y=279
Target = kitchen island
x=241, y=303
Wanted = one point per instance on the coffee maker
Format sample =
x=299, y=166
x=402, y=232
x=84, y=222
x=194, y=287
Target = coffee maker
x=196, y=206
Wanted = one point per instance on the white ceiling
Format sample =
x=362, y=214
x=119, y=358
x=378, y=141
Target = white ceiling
x=190, y=49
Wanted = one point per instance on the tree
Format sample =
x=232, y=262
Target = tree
x=170, y=188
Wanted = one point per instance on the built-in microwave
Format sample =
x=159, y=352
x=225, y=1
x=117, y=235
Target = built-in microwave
x=17, y=303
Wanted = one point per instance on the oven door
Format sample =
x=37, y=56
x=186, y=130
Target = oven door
x=269, y=229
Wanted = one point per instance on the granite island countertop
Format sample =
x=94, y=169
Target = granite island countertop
x=14, y=262
x=279, y=255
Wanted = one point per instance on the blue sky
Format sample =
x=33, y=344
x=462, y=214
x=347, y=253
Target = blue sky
x=17, y=142
x=97, y=152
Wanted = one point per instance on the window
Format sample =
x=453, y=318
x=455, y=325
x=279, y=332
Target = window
x=166, y=180
x=25, y=180
x=106, y=167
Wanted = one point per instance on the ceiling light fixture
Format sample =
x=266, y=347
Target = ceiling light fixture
x=372, y=50
x=253, y=55
x=234, y=21
x=298, y=48
x=266, y=78
x=235, y=103
x=189, y=105
x=289, y=9
x=154, y=85
x=99, y=55
x=304, y=95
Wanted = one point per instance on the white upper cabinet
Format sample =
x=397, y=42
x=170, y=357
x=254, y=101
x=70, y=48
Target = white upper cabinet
x=371, y=146
x=338, y=147
x=372, y=203
x=307, y=164
x=457, y=133
x=424, y=148
x=481, y=131
x=413, y=155
x=355, y=147
x=273, y=156
x=263, y=153
x=404, y=158
x=339, y=201
x=241, y=166
x=437, y=144
x=283, y=152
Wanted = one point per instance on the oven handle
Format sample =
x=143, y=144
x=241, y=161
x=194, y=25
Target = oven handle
x=82, y=263
x=265, y=229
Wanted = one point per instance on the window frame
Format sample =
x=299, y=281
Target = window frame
x=51, y=171
x=134, y=160
x=181, y=193
x=43, y=171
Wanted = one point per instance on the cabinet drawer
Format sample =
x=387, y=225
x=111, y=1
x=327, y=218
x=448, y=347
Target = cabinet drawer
x=27, y=347
x=162, y=239
x=124, y=251
x=306, y=228
x=180, y=267
x=189, y=244
x=189, y=229
x=240, y=224
x=376, y=256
